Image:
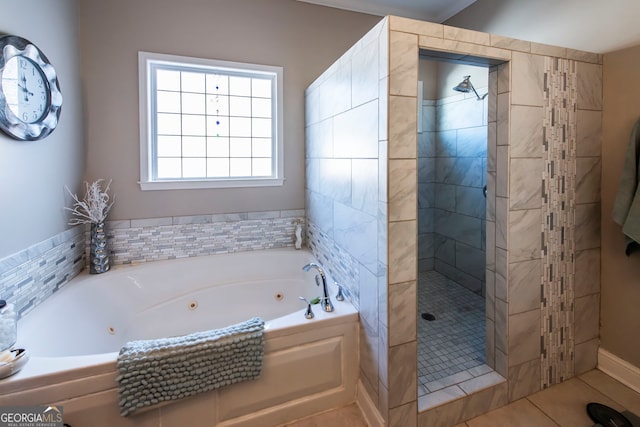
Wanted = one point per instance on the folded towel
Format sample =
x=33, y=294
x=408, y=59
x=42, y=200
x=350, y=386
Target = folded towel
x=626, y=208
x=156, y=371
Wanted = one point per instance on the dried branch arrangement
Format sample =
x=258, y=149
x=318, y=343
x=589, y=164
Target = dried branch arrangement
x=94, y=207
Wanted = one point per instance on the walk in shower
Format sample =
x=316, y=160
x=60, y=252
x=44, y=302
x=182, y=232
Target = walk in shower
x=452, y=178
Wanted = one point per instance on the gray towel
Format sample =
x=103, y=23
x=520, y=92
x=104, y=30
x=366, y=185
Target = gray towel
x=156, y=371
x=626, y=208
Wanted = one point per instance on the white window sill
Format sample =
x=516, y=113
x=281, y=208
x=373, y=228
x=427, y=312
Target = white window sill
x=200, y=184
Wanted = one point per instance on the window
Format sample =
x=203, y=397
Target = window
x=208, y=124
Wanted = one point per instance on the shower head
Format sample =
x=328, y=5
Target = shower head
x=466, y=86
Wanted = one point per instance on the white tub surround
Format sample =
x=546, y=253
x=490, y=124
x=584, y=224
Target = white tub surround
x=309, y=365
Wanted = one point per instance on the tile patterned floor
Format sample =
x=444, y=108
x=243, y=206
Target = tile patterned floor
x=451, y=348
x=563, y=405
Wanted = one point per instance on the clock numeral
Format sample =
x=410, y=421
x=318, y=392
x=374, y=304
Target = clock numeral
x=25, y=116
x=23, y=63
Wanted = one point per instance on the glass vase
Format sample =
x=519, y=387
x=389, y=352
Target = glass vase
x=98, y=255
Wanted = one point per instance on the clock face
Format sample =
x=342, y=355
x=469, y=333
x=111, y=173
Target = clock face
x=30, y=98
x=25, y=88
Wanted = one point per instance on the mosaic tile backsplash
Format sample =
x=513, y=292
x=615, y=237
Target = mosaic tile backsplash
x=186, y=236
x=30, y=276
x=341, y=266
x=558, y=209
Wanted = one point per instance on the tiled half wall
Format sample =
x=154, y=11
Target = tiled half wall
x=153, y=239
x=28, y=277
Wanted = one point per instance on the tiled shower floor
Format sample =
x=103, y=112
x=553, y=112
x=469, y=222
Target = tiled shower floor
x=451, y=348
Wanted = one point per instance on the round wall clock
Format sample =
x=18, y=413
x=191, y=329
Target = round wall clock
x=30, y=98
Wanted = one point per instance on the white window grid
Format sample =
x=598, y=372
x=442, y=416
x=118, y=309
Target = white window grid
x=200, y=128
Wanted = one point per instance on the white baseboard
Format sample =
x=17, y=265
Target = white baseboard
x=619, y=369
x=369, y=409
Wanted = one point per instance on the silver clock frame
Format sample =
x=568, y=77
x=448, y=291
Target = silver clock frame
x=10, y=47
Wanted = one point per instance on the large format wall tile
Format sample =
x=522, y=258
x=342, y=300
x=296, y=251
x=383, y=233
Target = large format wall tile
x=525, y=184
x=403, y=64
x=462, y=228
x=526, y=131
x=364, y=84
x=364, y=185
x=527, y=78
x=403, y=190
x=587, y=318
x=589, y=86
x=587, y=226
x=470, y=201
x=588, y=179
x=465, y=171
x=403, y=381
x=335, y=179
x=524, y=234
x=524, y=285
x=320, y=139
x=403, y=126
x=357, y=233
x=402, y=313
x=589, y=133
x=402, y=251
x=320, y=211
x=456, y=115
x=405, y=415
x=472, y=142
x=369, y=355
x=524, y=380
x=330, y=97
x=524, y=341
x=587, y=272
x=355, y=132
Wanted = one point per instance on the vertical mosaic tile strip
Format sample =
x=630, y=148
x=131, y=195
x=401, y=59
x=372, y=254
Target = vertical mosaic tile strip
x=341, y=266
x=179, y=237
x=558, y=206
x=30, y=276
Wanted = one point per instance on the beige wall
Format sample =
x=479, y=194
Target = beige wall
x=33, y=174
x=620, y=322
x=304, y=39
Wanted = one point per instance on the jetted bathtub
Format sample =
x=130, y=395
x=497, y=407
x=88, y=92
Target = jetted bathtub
x=73, y=339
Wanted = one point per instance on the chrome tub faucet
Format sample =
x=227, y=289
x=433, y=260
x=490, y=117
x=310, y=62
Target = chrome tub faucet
x=325, y=302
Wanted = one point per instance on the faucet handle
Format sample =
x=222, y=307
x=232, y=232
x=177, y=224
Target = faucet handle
x=308, y=314
x=339, y=295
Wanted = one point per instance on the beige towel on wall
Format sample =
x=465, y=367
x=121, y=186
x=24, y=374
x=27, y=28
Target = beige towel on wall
x=626, y=208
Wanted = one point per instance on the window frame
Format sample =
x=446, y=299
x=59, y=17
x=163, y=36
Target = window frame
x=147, y=61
